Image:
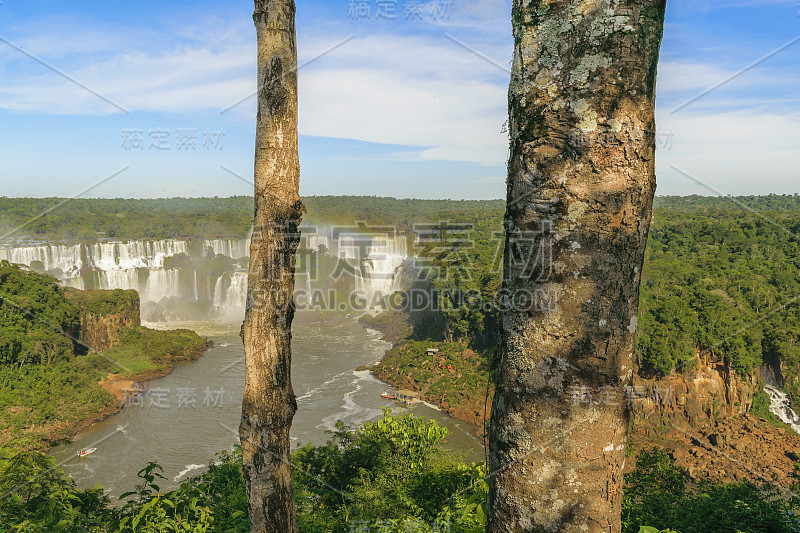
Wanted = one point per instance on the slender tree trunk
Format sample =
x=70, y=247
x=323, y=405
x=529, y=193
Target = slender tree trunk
x=269, y=402
x=580, y=189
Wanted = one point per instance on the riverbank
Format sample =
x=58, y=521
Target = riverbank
x=43, y=406
x=123, y=388
x=719, y=449
x=455, y=378
x=184, y=436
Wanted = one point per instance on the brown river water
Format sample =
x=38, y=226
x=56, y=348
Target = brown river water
x=187, y=417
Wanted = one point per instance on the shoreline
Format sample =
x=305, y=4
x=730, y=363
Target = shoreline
x=725, y=449
x=120, y=387
x=471, y=407
x=117, y=385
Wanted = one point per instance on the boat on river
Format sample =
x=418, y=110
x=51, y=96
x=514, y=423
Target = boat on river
x=86, y=451
x=405, y=396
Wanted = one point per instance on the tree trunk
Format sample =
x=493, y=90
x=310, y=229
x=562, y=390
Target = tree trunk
x=269, y=402
x=581, y=181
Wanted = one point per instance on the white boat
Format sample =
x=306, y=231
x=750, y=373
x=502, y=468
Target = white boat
x=86, y=451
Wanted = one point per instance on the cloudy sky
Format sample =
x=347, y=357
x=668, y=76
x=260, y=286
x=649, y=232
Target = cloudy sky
x=397, y=97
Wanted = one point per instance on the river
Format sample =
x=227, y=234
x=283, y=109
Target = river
x=185, y=418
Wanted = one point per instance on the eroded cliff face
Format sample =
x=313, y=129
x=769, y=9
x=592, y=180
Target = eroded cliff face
x=701, y=417
x=104, y=315
x=711, y=390
x=103, y=332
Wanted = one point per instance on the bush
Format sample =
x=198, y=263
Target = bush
x=656, y=495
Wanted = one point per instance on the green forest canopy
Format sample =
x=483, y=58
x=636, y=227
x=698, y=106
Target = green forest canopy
x=720, y=274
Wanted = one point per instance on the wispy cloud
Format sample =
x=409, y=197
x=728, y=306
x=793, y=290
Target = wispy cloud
x=732, y=151
x=409, y=90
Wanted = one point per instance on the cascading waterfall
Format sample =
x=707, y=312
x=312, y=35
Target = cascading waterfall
x=780, y=406
x=230, y=294
x=233, y=248
x=140, y=266
x=161, y=283
x=383, y=263
x=64, y=258
x=118, y=279
x=137, y=265
x=379, y=260
x=133, y=254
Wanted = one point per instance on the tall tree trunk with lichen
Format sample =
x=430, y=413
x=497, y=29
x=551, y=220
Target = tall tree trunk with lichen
x=269, y=403
x=581, y=181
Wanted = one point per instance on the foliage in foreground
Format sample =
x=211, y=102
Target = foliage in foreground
x=391, y=475
x=656, y=494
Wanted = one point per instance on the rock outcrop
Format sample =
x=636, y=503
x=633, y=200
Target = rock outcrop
x=701, y=417
x=712, y=389
x=104, y=315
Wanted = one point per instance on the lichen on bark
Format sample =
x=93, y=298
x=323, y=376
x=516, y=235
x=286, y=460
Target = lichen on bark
x=581, y=174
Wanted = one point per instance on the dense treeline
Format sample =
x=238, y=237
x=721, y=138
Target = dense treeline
x=770, y=202
x=726, y=281
x=57, y=219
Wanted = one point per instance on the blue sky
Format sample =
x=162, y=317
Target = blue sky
x=392, y=103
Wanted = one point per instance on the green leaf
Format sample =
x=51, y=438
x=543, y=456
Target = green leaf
x=648, y=529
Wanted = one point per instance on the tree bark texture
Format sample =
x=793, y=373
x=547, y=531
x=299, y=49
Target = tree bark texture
x=269, y=402
x=581, y=180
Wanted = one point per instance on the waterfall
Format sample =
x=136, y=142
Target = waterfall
x=315, y=241
x=65, y=258
x=383, y=263
x=780, y=406
x=117, y=265
x=133, y=254
x=102, y=256
x=118, y=279
x=379, y=260
x=161, y=284
x=230, y=294
x=233, y=248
